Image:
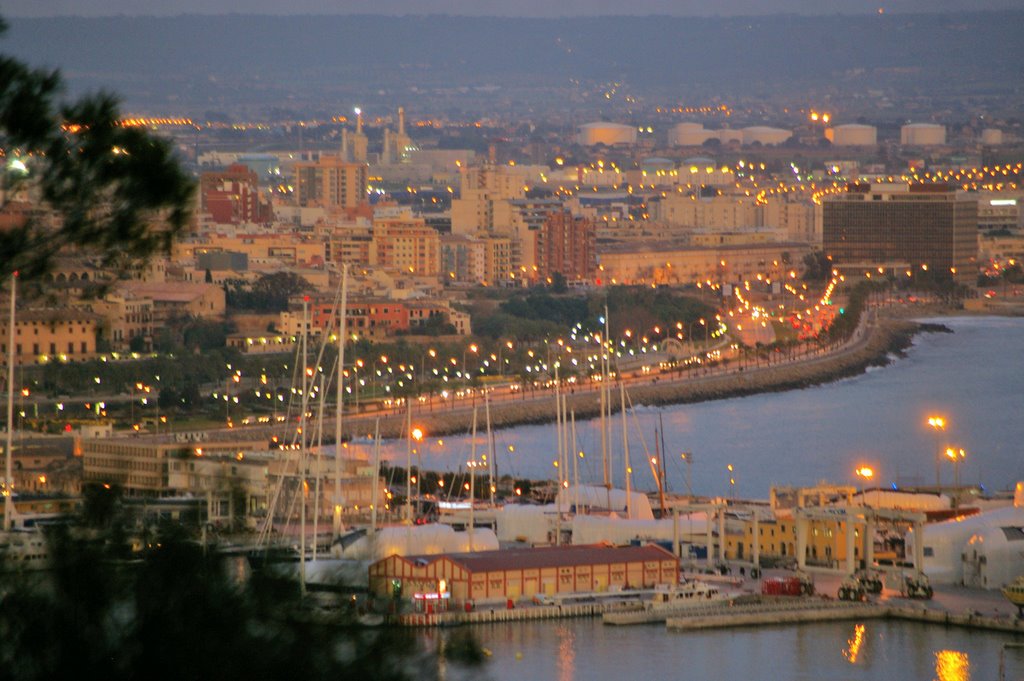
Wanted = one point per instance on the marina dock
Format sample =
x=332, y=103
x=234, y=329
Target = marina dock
x=722, y=614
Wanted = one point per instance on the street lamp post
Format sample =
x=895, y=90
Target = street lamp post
x=938, y=424
x=868, y=474
x=956, y=455
x=688, y=458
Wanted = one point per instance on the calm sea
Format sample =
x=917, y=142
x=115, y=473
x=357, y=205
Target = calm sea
x=972, y=377
x=875, y=650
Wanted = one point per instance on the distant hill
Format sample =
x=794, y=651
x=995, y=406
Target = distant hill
x=204, y=58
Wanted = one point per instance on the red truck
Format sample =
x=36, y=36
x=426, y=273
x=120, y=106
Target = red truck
x=787, y=586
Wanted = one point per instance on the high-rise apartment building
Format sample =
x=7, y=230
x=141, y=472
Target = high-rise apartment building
x=331, y=182
x=566, y=244
x=925, y=226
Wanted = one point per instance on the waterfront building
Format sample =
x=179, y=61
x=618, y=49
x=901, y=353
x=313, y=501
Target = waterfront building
x=932, y=227
x=511, y=574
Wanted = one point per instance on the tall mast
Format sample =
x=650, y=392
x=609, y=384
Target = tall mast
x=491, y=463
x=11, y=358
x=376, y=477
x=662, y=479
x=472, y=482
x=408, y=462
x=575, y=465
x=560, y=428
x=302, y=449
x=340, y=394
x=625, y=443
x=601, y=423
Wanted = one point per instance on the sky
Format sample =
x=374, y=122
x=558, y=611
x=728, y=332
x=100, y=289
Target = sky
x=523, y=8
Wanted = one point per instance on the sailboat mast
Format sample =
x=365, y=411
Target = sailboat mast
x=340, y=392
x=8, y=470
x=472, y=482
x=601, y=423
x=625, y=444
x=491, y=463
x=662, y=478
x=376, y=477
x=659, y=474
x=408, y=461
x=302, y=448
x=575, y=464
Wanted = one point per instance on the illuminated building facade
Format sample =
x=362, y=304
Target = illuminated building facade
x=932, y=227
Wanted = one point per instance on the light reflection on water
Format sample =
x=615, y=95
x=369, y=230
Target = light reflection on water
x=952, y=665
x=822, y=433
x=587, y=650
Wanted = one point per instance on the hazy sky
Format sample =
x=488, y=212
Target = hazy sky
x=537, y=8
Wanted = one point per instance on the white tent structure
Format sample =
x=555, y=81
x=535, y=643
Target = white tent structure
x=418, y=540
x=634, y=506
x=596, y=529
x=984, y=550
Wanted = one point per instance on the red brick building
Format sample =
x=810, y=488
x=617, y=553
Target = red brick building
x=566, y=244
x=232, y=196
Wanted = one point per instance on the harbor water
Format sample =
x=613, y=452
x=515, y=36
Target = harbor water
x=971, y=377
x=875, y=650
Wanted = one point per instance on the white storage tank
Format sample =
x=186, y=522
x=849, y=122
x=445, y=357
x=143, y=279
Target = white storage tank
x=726, y=135
x=854, y=135
x=765, y=135
x=689, y=134
x=991, y=136
x=608, y=134
x=922, y=134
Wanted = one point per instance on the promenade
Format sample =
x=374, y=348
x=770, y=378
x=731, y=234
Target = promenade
x=870, y=345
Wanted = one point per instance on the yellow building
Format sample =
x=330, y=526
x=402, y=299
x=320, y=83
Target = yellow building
x=63, y=335
x=655, y=261
x=407, y=245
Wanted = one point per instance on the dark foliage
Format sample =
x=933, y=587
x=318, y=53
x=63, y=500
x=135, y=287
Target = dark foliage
x=111, y=190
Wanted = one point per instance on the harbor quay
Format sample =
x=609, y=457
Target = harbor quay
x=950, y=606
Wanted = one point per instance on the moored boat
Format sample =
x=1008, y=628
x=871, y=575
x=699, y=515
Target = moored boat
x=1014, y=592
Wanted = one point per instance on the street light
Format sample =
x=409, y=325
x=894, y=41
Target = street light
x=732, y=482
x=868, y=474
x=472, y=348
x=688, y=458
x=956, y=455
x=938, y=424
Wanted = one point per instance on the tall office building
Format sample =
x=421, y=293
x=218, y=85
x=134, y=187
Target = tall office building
x=923, y=226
